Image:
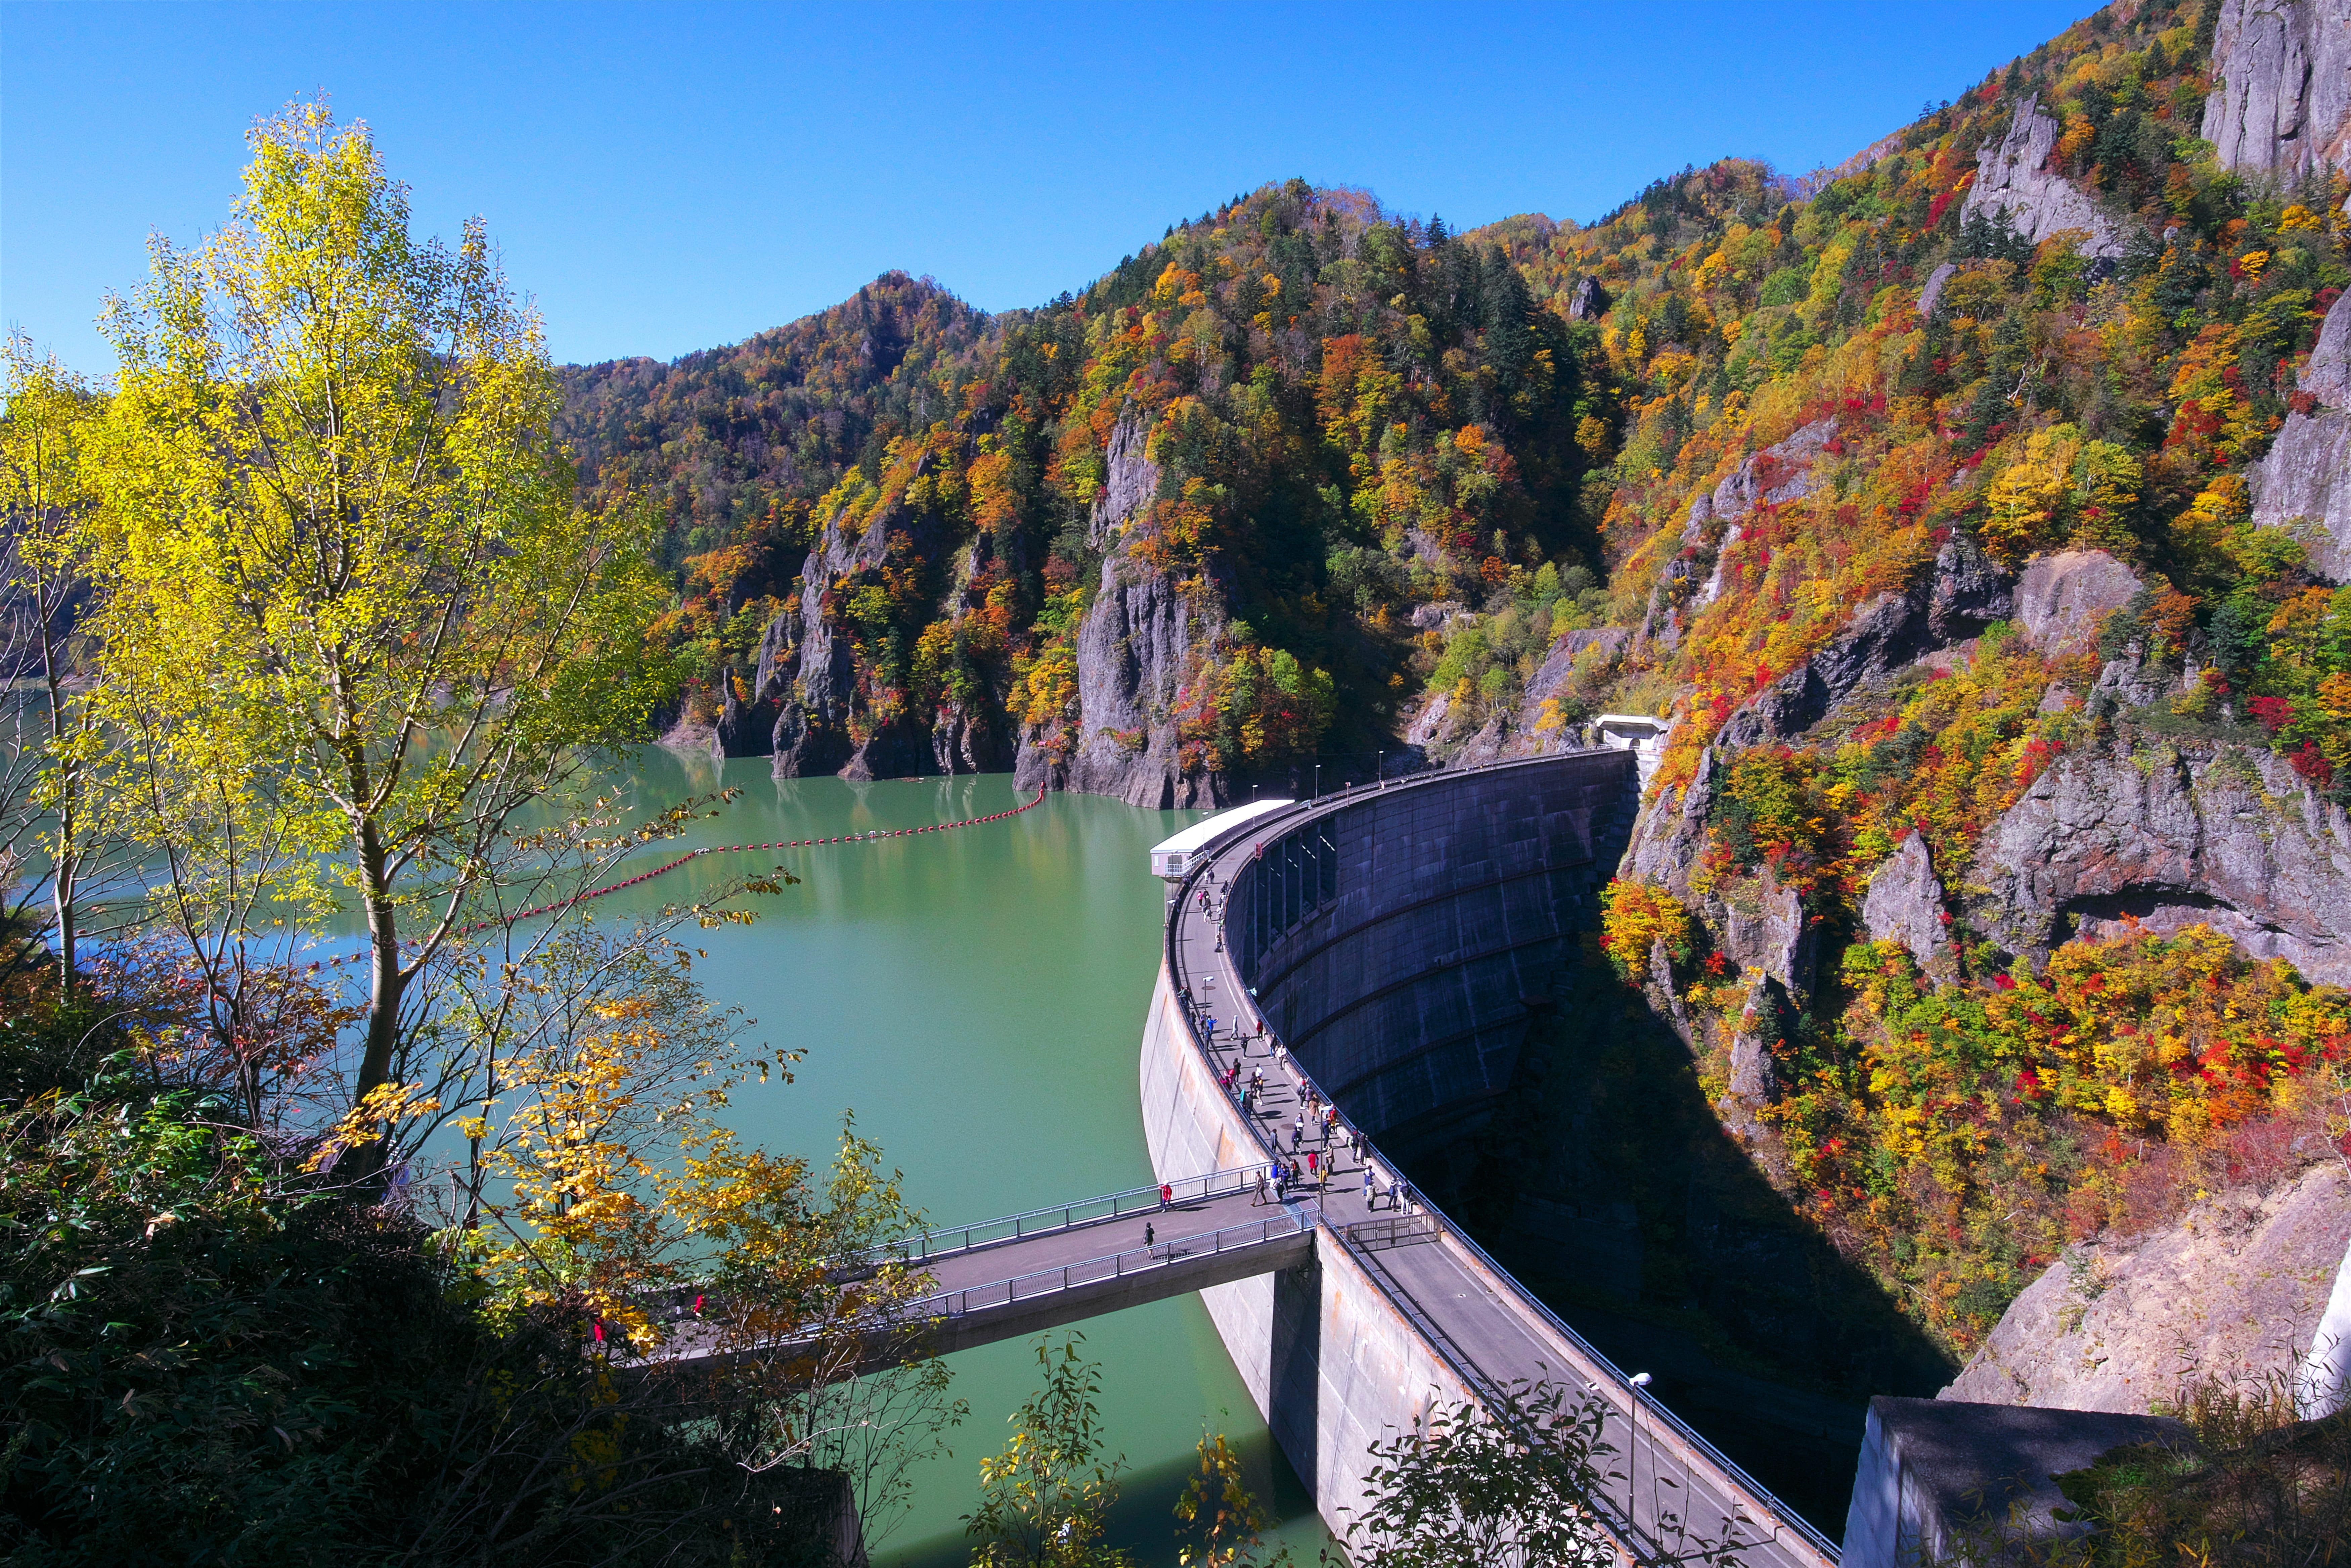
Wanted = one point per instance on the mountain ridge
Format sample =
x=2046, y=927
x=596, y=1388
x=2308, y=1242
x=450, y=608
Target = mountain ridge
x=1998, y=471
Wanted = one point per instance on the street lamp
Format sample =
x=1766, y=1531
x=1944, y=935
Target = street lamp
x=1380, y=768
x=1640, y=1380
x=1318, y=780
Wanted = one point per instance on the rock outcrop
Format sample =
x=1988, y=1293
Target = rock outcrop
x=1929, y=296
x=812, y=731
x=2303, y=486
x=2012, y=179
x=1905, y=904
x=2234, y=1291
x=1965, y=592
x=2062, y=597
x=1762, y=925
x=745, y=729
x=1594, y=644
x=1780, y=473
x=1130, y=483
x=1775, y=474
x=802, y=702
x=2216, y=834
x=1135, y=654
x=2282, y=100
x=1588, y=301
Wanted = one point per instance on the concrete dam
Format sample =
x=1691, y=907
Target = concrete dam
x=1396, y=941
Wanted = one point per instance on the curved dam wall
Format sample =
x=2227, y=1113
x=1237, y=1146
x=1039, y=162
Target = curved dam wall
x=1400, y=940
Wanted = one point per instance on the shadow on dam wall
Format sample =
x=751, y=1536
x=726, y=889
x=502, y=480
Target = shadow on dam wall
x=1429, y=954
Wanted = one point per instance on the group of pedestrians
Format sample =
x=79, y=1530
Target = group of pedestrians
x=1318, y=1138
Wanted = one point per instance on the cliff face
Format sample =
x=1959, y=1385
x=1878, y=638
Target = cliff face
x=1132, y=481
x=2012, y=179
x=1134, y=652
x=2304, y=482
x=2235, y=1290
x=802, y=701
x=1772, y=477
x=2282, y=102
x=2220, y=835
x=814, y=732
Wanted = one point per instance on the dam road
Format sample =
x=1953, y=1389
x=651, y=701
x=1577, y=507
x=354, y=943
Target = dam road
x=1387, y=939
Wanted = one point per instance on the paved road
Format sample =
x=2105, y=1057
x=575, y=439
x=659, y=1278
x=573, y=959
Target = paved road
x=1492, y=1334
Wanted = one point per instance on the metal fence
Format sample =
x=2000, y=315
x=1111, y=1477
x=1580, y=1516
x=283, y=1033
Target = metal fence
x=948, y=1240
x=1132, y=1261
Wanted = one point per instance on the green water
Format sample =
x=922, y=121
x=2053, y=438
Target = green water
x=976, y=997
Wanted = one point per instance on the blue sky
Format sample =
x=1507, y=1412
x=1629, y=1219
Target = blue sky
x=666, y=177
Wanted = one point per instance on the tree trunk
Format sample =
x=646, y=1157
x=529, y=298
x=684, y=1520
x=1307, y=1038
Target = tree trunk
x=68, y=858
x=383, y=996
x=61, y=898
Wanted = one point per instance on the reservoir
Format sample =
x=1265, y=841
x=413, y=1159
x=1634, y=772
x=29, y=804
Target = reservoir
x=975, y=997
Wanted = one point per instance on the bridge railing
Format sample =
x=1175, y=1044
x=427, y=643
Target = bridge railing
x=1132, y=1261
x=948, y=1240
x=1781, y=1516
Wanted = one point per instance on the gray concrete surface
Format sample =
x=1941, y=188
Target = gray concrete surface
x=1359, y=1345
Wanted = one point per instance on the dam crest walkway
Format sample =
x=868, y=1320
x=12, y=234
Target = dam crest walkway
x=1480, y=1323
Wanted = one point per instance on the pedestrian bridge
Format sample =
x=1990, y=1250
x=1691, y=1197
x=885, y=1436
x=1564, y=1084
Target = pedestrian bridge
x=1030, y=1272
x=1026, y=1274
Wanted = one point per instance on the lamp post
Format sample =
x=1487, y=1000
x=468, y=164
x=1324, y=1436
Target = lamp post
x=1640, y=1380
x=1318, y=780
x=1380, y=768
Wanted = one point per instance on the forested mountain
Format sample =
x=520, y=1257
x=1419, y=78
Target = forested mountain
x=1974, y=511
x=1296, y=414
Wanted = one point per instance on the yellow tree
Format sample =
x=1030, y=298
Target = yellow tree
x=352, y=605
x=46, y=417
x=609, y=1193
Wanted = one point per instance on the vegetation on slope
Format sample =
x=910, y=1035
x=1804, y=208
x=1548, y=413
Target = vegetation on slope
x=1958, y=1137
x=1348, y=415
x=1404, y=461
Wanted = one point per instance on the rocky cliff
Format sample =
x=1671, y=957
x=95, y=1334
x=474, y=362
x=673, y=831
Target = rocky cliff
x=1770, y=476
x=1140, y=642
x=2172, y=835
x=2305, y=484
x=1134, y=651
x=823, y=723
x=2234, y=1291
x=2282, y=102
x=2012, y=180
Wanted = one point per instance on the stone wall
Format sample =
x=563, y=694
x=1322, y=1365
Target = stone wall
x=1397, y=942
